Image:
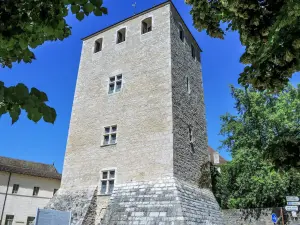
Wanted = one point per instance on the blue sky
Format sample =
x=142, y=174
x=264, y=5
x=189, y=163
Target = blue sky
x=55, y=72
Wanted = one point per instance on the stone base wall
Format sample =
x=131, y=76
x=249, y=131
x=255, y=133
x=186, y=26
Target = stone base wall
x=81, y=202
x=163, y=202
x=253, y=217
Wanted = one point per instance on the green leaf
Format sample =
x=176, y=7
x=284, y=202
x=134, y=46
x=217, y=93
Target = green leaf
x=14, y=113
x=23, y=44
x=34, y=115
x=49, y=115
x=21, y=91
x=88, y=7
x=80, y=16
x=104, y=10
x=75, y=9
x=97, y=12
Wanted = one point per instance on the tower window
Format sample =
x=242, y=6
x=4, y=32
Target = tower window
x=36, y=191
x=191, y=137
x=115, y=84
x=110, y=135
x=147, y=25
x=107, y=182
x=121, y=35
x=15, y=189
x=98, y=45
x=9, y=219
x=181, y=33
x=188, y=86
x=193, y=51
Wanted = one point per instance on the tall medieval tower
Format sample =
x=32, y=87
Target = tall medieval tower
x=137, y=136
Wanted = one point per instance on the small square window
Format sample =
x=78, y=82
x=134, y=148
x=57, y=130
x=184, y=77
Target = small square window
x=107, y=183
x=30, y=220
x=114, y=129
x=104, y=175
x=107, y=130
x=119, y=77
x=111, y=174
x=15, y=189
x=36, y=191
x=113, y=139
x=106, y=140
x=111, y=88
x=112, y=79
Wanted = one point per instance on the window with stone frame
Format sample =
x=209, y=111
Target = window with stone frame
x=36, y=191
x=121, y=35
x=15, y=189
x=110, y=135
x=115, y=84
x=9, y=219
x=30, y=220
x=98, y=45
x=107, y=182
x=147, y=25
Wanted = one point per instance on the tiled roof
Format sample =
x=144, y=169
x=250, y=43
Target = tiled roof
x=28, y=168
x=211, y=152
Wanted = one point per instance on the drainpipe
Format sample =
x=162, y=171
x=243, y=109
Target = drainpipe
x=5, y=198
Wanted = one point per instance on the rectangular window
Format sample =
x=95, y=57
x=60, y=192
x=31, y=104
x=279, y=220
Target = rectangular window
x=191, y=137
x=30, y=220
x=115, y=84
x=193, y=51
x=188, y=85
x=98, y=45
x=121, y=34
x=9, y=219
x=54, y=191
x=36, y=191
x=15, y=189
x=216, y=158
x=110, y=135
x=107, y=182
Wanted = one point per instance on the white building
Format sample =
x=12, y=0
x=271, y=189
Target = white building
x=24, y=187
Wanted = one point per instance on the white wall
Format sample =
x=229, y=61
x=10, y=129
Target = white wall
x=23, y=204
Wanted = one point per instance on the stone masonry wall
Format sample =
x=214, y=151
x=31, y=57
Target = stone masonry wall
x=188, y=108
x=162, y=202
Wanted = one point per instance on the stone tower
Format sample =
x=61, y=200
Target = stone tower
x=137, y=136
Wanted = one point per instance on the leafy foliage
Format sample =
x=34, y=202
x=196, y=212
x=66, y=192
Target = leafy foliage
x=249, y=181
x=263, y=139
x=24, y=25
x=270, y=31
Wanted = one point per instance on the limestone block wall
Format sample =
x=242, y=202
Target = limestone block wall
x=142, y=110
x=188, y=104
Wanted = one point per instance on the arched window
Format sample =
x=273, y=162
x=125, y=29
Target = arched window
x=147, y=25
x=98, y=45
x=181, y=33
x=121, y=35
